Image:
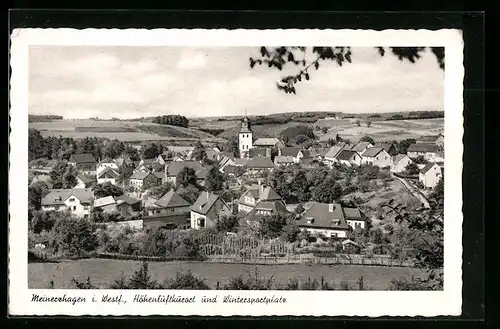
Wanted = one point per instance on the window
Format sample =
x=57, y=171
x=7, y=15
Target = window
x=85, y=207
x=85, y=216
x=71, y=199
x=172, y=210
x=201, y=222
x=74, y=208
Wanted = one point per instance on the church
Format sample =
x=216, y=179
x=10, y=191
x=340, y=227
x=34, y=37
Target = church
x=261, y=146
x=245, y=138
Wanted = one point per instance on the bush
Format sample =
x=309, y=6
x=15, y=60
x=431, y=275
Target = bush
x=74, y=237
x=185, y=280
x=84, y=284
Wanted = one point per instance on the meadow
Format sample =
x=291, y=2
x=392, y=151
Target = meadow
x=103, y=272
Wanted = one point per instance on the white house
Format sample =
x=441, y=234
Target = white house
x=430, y=175
x=107, y=164
x=78, y=201
x=245, y=138
x=348, y=158
x=207, y=210
x=326, y=219
x=108, y=175
x=400, y=162
x=427, y=150
x=361, y=147
x=294, y=152
x=376, y=156
x=331, y=155
x=283, y=160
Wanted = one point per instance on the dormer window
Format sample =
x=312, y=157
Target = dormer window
x=310, y=220
x=335, y=222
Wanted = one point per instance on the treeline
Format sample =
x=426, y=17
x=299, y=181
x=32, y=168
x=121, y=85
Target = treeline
x=417, y=115
x=43, y=118
x=173, y=120
x=298, y=135
x=212, y=131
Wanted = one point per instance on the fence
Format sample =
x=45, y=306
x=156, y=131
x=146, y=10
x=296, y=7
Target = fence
x=245, y=247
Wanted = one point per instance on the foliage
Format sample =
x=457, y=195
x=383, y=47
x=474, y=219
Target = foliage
x=189, y=192
x=368, y=123
x=277, y=180
x=159, y=191
x=173, y=120
x=299, y=186
x=324, y=130
x=290, y=231
x=299, y=209
x=199, y=152
x=252, y=282
x=87, y=284
x=133, y=153
x=113, y=149
x=63, y=175
x=227, y=224
x=214, y=181
x=74, y=236
x=141, y=279
x=232, y=146
x=151, y=150
x=437, y=194
x=43, y=221
x=186, y=281
x=367, y=139
x=107, y=189
x=272, y=226
x=186, y=177
x=405, y=144
x=327, y=191
x=420, y=160
x=412, y=169
x=290, y=134
x=434, y=281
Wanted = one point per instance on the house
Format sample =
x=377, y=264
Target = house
x=255, y=195
x=42, y=178
x=432, y=139
x=388, y=147
x=430, y=175
x=258, y=165
x=348, y=158
x=107, y=204
x=260, y=152
x=207, y=210
x=127, y=205
x=282, y=160
x=294, y=152
x=331, y=155
x=233, y=171
x=165, y=157
x=108, y=175
x=361, y=147
x=107, y=163
x=318, y=153
x=427, y=150
x=84, y=162
x=124, y=161
x=400, y=162
x=226, y=161
x=211, y=154
x=174, y=168
x=350, y=247
x=146, y=165
x=245, y=138
x=268, y=142
x=84, y=181
x=161, y=175
x=170, y=203
x=376, y=156
x=143, y=180
x=326, y=219
x=355, y=218
x=78, y=201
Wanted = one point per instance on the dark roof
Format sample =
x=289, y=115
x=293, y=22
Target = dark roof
x=58, y=196
x=361, y=146
x=372, y=151
x=159, y=174
x=386, y=146
x=176, y=167
x=423, y=147
x=140, y=175
x=266, y=141
x=290, y=151
x=204, y=202
x=172, y=199
x=320, y=216
x=257, y=151
x=260, y=162
x=86, y=178
x=345, y=154
x=427, y=167
x=82, y=158
x=166, y=220
x=109, y=171
x=353, y=214
x=334, y=150
x=268, y=194
x=274, y=206
x=127, y=199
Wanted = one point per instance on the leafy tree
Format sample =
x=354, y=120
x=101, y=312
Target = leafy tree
x=437, y=194
x=151, y=150
x=300, y=186
x=141, y=279
x=113, y=149
x=324, y=130
x=133, y=153
x=159, y=191
x=290, y=231
x=37, y=146
x=74, y=236
x=278, y=181
x=281, y=57
x=227, y=224
x=328, y=191
x=272, y=226
x=63, y=175
x=107, y=189
x=214, y=180
x=35, y=194
x=289, y=135
x=368, y=123
x=189, y=192
x=358, y=123
x=405, y=144
x=367, y=139
x=331, y=142
x=173, y=120
x=187, y=176
x=412, y=169
x=299, y=209
x=185, y=281
x=199, y=152
x=420, y=160
x=232, y=146
x=69, y=177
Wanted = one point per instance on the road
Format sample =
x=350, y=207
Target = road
x=416, y=193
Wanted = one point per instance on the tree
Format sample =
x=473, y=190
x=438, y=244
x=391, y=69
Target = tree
x=437, y=194
x=63, y=175
x=272, y=226
x=199, y=152
x=299, y=209
x=290, y=134
x=331, y=142
x=367, y=139
x=412, y=169
x=159, y=191
x=290, y=231
x=151, y=150
x=420, y=160
x=113, y=149
x=189, y=192
x=281, y=57
x=37, y=147
x=35, y=194
x=132, y=153
x=107, y=189
x=173, y=120
x=141, y=279
x=214, y=180
x=324, y=130
x=277, y=180
x=232, y=146
x=69, y=177
x=404, y=144
x=187, y=176
x=358, y=123
x=299, y=186
x=227, y=224
x=328, y=191
x=74, y=236
x=368, y=123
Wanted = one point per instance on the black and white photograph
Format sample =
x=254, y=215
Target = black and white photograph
x=171, y=169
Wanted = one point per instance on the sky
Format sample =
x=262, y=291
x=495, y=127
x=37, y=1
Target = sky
x=131, y=82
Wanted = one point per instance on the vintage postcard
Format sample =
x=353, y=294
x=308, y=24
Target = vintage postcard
x=236, y=172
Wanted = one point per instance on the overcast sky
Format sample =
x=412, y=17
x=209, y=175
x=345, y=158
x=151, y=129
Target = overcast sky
x=129, y=82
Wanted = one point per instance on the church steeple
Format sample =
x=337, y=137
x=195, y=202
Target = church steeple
x=245, y=137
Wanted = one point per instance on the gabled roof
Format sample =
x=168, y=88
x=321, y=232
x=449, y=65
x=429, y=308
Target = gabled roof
x=257, y=151
x=268, y=194
x=273, y=206
x=266, y=142
x=372, y=151
x=260, y=162
x=423, y=147
x=240, y=161
x=42, y=178
x=333, y=151
x=360, y=147
x=129, y=200
x=283, y=159
x=108, y=171
x=385, y=146
x=106, y=201
x=320, y=216
x=305, y=153
x=290, y=151
x=171, y=199
x=353, y=214
x=318, y=152
x=58, y=196
x=159, y=174
x=82, y=158
x=205, y=202
x=429, y=138
x=176, y=167
x=345, y=154
x=108, y=160
x=140, y=175
x=428, y=167
x=398, y=157
x=86, y=178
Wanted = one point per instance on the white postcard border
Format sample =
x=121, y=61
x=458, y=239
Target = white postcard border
x=299, y=303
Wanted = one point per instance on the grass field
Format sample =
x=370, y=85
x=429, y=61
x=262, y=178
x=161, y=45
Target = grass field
x=121, y=130
x=103, y=272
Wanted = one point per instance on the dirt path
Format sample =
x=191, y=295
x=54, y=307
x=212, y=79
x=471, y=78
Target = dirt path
x=416, y=193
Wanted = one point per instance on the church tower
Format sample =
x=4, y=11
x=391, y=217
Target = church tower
x=245, y=137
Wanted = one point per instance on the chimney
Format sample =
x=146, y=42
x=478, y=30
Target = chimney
x=331, y=207
x=208, y=195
